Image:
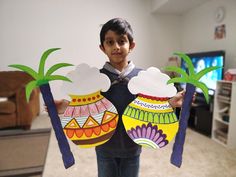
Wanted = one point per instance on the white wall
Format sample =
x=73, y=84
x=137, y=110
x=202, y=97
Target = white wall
x=29, y=27
x=166, y=37
x=198, y=30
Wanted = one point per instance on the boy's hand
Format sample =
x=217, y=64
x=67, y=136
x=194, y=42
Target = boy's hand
x=177, y=100
x=60, y=105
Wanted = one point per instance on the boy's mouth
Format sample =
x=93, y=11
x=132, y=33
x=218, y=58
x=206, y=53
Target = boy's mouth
x=116, y=53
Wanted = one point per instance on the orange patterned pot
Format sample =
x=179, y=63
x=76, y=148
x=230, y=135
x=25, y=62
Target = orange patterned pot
x=89, y=120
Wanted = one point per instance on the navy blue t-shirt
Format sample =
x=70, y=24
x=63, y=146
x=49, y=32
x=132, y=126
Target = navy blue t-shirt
x=120, y=145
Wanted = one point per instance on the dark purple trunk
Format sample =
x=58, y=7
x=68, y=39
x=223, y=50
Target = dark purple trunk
x=67, y=155
x=176, y=156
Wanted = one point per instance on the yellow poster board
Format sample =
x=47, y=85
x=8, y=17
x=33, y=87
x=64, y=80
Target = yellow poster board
x=149, y=120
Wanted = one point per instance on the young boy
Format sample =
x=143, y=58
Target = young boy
x=119, y=157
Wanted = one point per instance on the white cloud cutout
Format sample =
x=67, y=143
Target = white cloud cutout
x=152, y=82
x=85, y=80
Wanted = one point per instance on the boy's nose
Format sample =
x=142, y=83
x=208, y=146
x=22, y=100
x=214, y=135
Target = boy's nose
x=116, y=46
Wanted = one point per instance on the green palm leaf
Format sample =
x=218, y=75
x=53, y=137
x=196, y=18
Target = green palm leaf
x=177, y=70
x=42, y=81
x=40, y=78
x=26, y=69
x=178, y=80
x=57, y=77
x=29, y=87
x=43, y=60
x=188, y=62
x=204, y=89
x=198, y=84
x=56, y=67
x=205, y=71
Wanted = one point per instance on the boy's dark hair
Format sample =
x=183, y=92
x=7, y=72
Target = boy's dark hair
x=119, y=26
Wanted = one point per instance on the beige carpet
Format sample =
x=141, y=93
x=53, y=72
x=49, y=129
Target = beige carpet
x=202, y=158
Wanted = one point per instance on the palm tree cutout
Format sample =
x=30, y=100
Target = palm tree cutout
x=192, y=81
x=42, y=80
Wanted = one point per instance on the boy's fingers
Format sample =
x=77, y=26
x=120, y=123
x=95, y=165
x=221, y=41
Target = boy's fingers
x=45, y=108
x=194, y=96
x=182, y=92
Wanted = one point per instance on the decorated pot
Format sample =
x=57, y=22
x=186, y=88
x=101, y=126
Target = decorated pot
x=150, y=121
x=89, y=120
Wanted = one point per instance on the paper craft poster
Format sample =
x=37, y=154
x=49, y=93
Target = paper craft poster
x=150, y=120
x=90, y=119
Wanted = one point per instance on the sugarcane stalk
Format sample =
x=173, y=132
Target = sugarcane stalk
x=176, y=156
x=67, y=156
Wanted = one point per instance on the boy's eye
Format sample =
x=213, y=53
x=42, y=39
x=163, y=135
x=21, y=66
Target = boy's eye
x=110, y=42
x=121, y=42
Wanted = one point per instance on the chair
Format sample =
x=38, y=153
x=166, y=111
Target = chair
x=15, y=111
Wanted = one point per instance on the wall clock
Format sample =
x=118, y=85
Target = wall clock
x=219, y=14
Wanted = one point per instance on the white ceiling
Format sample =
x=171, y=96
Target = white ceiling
x=176, y=7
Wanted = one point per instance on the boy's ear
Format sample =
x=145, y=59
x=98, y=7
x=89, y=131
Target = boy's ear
x=132, y=45
x=102, y=48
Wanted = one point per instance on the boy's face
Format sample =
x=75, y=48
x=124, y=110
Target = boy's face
x=116, y=47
